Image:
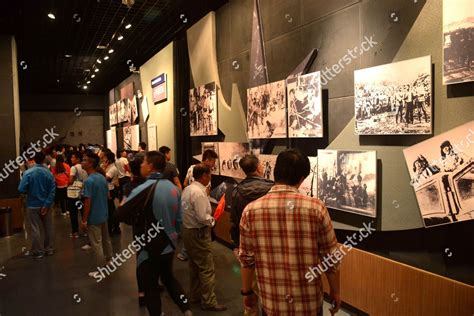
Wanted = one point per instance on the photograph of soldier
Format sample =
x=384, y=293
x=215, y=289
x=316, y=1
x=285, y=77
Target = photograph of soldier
x=458, y=41
x=266, y=111
x=229, y=156
x=309, y=187
x=442, y=175
x=113, y=114
x=268, y=162
x=203, y=110
x=347, y=180
x=305, y=118
x=394, y=99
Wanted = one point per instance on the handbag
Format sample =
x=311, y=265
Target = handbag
x=74, y=190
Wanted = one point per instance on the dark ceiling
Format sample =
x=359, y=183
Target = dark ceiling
x=80, y=27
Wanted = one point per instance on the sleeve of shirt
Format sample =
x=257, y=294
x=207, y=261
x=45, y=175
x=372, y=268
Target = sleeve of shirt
x=87, y=192
x=52, y=190
x=174, y=171
x=73, y=171
x=179, y=215
x=246, y=249
x=201, y=205
x=24, y=183
x=327, y=242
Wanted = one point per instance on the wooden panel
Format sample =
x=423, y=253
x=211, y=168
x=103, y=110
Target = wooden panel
x=223, y=226
x=17, y=212
x=379, y=286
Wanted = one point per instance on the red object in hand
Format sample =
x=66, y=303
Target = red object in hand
x=220, y=208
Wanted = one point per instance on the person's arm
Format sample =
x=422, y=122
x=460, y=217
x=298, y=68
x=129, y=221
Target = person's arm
x=51, y=186
x=178, y=183
x=72, y=175
x=87, y=210
x=333, y=278
x=201, y=206
x=247, y=261
x=24, y=184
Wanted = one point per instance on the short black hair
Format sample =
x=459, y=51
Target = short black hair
x=110, y=156
x=76, y=154
x=209, y=154
x=199, y=170
x=135, y=166
x=94, y=159
x=142, y=145
x=291, y=166
x=157, y=159
x=39, y=158
x=249, y=163
x=164, y=150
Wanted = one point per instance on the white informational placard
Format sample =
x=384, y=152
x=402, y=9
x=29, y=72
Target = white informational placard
x=152, y=145
x=111, y=136
x=145, y=111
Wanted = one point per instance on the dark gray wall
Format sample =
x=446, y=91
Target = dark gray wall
x=62, y=102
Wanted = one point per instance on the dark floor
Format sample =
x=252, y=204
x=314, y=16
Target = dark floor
x=59, y=285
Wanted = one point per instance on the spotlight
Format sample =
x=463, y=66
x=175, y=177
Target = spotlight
x=106, y=57
x=96, y=70
x=111, y=51
x=128, y=26
x=84, y=87
x=88, y=81
x=51, y=16
x=120, y=37
x=68, y=56
x=99, y=61
x=93, y=76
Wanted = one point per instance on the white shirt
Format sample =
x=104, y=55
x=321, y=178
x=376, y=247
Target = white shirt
x=120, y=164
x=112, y=172
x=81, y=173
x=197, y=211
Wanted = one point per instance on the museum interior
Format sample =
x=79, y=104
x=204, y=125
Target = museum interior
x=237, y=157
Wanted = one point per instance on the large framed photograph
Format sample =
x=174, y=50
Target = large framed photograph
x=203, y=110
x=215, y=147
x=305, y=115
x=458, y=41
x=133, y=109
x=111, y=139
x=309, y=187
x=131, y=137
x=442, y=175
x=121, y=115
x=347, y=180
x=229, y=157
x=113, y=114
x=266, y=111
x=394, y=99
x=268, y=162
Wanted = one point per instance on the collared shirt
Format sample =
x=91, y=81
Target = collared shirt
x=197, y=211
x=112, y=173
x=283, y=234
x=38, y=183
x=120, y=165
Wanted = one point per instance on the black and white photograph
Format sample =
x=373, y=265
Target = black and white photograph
x=268, y=162
x=213, y=146
x=266, y=111
x=133, y=109
x=394, y=99
x=309, y=187
x=442, y=175
x=229, y=157
x=305, y=116
x=131, y=137
x=347, y=180
x=121, y=114
x=203, y=110
x=458, y=41
x=113, y=114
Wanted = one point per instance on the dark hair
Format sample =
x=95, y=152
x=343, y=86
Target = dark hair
x=199, y=170
x=291, y=166
x=249, y=163
x=446, y=143
x=142, y=145
x=110, y=156
x=76, y=154
x=39, y=158
x=94, y=159
x=135, y=166
x=59, y=168
x=164, y=150
x=119, y=153
x=157, y=159
x=209, y=154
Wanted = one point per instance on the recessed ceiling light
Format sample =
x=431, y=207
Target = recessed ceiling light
x=57, y=80
x=101, y=47
x=111, y=51
x=51, y=16
x=106, y=57
x=93, y=76
x=84, y=87
x=68, y=56
x=128, y=26
x=96, y=70
x=99, y=61
x=88, y=81
x=120, y=37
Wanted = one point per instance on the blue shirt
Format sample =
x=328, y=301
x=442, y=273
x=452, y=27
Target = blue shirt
x=38, y=182
x=95, y=188
x=166, y=209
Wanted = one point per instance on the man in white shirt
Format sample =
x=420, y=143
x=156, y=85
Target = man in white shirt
x=75, y=204
x=196, y=232
x=123, y=169
x=112, y=176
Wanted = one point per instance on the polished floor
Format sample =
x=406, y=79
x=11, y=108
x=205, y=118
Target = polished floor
x=59, y=285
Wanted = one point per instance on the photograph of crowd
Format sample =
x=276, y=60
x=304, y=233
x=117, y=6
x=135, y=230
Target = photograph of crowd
x=268, y=162
x=309, y=187
x=442, y=175
x=203, y=110
x=305, y=117
x=113, y=114
x=394, y=99
x=215, y=147
x=229, y=157
x=347, y=180
x=266, y=111
x=131, y=137
x=458, y=41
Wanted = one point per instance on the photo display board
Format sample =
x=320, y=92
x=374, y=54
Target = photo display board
x=203, y=110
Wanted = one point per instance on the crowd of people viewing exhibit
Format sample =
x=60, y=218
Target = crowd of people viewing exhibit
x=101, y=191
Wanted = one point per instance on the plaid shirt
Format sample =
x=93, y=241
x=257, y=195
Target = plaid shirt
x=283, y=234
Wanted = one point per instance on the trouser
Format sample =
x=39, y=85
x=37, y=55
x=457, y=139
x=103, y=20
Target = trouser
x=112, y=222
x=36, y=222
x=149, y=272
x=139, y=281
x=319, y=313
x=26, y=222
x=61, y=197
x=100, y=243
x=201, y=265
x=122, y=182
x=399, y=114
x=75, y=206
x=409, y=114
x=421, y=109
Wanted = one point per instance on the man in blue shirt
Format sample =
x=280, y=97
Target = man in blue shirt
x=38, y=183
x=166, y=207
x=96, y=212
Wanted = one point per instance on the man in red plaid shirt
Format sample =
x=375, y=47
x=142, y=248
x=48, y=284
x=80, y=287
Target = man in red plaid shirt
x=282, y=234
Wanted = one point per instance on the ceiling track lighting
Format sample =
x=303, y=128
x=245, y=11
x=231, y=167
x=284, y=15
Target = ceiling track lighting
x=93, y=76
x=111, y=51
x=51, y=16
x=106, y=57
x=128, y=26
x=96, y=70
x=120, y=37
